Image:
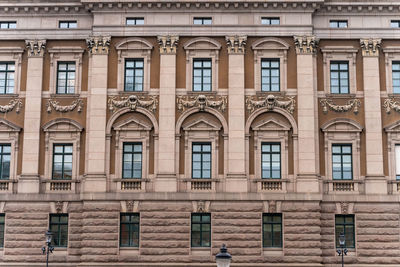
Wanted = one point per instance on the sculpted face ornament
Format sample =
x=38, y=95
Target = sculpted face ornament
x=201, y=101
x=133, y=102
x=270, y=102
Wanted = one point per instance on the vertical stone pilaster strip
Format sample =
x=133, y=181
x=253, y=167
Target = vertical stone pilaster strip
x=237, y=181
x=95, y=178
x=166, y=176
x=307, y=181
x=375, y=182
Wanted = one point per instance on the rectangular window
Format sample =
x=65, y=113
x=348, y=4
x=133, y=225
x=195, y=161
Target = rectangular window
x=342, y=164
x=134, y=75
x=201, y=230
x=66, y=78
x=62, y=162
x=202, y=75
x=134, y=21
x=338, y=23
x=396, y=77
x=201, y=160
x=272, y=230
x=395, y=23
x=270, y=21
x=7, y=70
x=8, y=24
x=5, y=158
x=68, y=24
x=59, y=228
x=202, y=21
x=270, y=75
x=345, y=224
x=132, y=160
x=339, y=77
x=397, y=151
x=129, y=230
x=2, y=225
x=271, y=160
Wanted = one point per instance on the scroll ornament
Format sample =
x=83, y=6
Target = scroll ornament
x=352, y=104
x=53, y=104
x=201, y=101
x=132, y=102
x=390, y=104
x=15, y=103
x=270, y=102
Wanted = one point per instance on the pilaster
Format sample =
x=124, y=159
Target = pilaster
x=166, y=180
x=236, y=178
x=29, y=181
x=307, y=179
x=375, y=182
x=95, y=177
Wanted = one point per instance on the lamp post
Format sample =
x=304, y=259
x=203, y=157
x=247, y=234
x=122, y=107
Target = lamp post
x=223, y=258
x=48, y=248
x=342, y=251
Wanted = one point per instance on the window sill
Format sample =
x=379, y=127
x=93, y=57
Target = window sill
x=64, y=95
x=128, y=93
x=9, y=95
x=129, y=248
x=191, y=92
x=273, y=252
x=200, y=251
x=265, y=93
x=340, y=96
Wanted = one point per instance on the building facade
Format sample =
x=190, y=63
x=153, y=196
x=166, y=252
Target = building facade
x=149, y=133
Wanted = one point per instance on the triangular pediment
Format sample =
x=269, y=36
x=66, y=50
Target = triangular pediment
x=201, y=125
x=6, y=126
x=271, y=125
x=132, y=125
x=394, y=127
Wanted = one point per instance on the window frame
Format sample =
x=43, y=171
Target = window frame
x=344, y=225
x=59, y=224
x=272, y=231
x=269, y=20
x=2, y=145
x=135, y=19
x=202, y=68
x=134, y=60
x=270, y=69
x=63, y=156
x=130, y=226
x=67, y=71
x=132, y=161
x=336, y=23
x=2, y=229
x=201, y=230
x=6, y=71
x=202, y=21
x=8, y=23
x=271, y=153
x=69, y=24
x=339, y=71
x=394, y=62
x=201, y=162
x=341, y=154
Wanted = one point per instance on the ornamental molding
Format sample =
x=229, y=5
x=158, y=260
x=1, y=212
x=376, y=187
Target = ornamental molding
x=59, y=206
x=98, y=45
x=133, y=102
x=306, y=45
x=202, y=101
x=352, y=104
x=236, y=44
x=370, y=47
x=15, y=103
x=391, y=104
x=270, y=102
x=344, y=207
x=35, y=48
x=201, y=206
x=53, y=104
x=168, y=44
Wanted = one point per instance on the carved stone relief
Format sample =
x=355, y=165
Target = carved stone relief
x=353, y=104
x=35, y=48
x=168, y=44
x=202, y=101
x=305, y=44
x=201, y=206
x=98, y=44
x=236, y=44
x=370, y=47
x=53, y=104
x=390, y=104
x=270, y=102
x=133, y=101
x=15, y=103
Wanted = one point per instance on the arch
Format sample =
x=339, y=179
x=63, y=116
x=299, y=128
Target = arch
x=124, y=44
x=277, y=110
x=277, y=44
x=47, y=126
x=124, y=110
x=355, y=125
x=212, y=44
x=191, y=111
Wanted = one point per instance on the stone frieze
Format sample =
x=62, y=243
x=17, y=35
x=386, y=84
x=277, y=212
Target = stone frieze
x=202, y=101
x=352, y=104
x=53, y=104
x=270, y=102
x=133, y=102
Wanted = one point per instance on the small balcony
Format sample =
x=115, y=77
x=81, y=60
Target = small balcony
x=61, y=186
x=131, y=184
x=200, y=185
x=342, y=186
x=6, y=186
x=271, y=185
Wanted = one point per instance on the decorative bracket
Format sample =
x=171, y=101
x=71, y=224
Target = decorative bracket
x=390, y=104
x=53, y=104
x=133, y=101
x=370, y=47
x=201, y=101
x=168, y=44
x=352, y=104
x=236, y=44
x=35, y=47
x=270, y=102
x=98, y=44
x=11, y=105
x=305, y=44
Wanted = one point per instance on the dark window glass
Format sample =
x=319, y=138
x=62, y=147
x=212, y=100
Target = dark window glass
x=66, y=78
x=62, y=162
x=202, y=21
x=397, y=154
x=2, y=224
x=59, y=228
x=8, y=24
x=338, y=23
x=342, y=164
x=68, y=24
x=5, y=158
x=134, y=21
x=201, y=230
x=395, y=23
x=202, y=75
x=201, y=160
x=270, y=21
x=7, y=70
x=129, y=230
x=345, y=224
x=132, y=160
x=134, y=75
x=396, y=77
x=272, y=230
x=270, y=75
x=339, y=77
x=271, y=160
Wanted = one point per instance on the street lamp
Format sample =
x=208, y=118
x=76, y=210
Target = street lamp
x=223, y=258
x=49, y=236
x=342, y=251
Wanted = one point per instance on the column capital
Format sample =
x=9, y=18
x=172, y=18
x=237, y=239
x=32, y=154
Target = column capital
x=35, y=48
x=370, y=47
x=168, y=44
x=98, y=45
x=236, y=44
x=306, y=45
